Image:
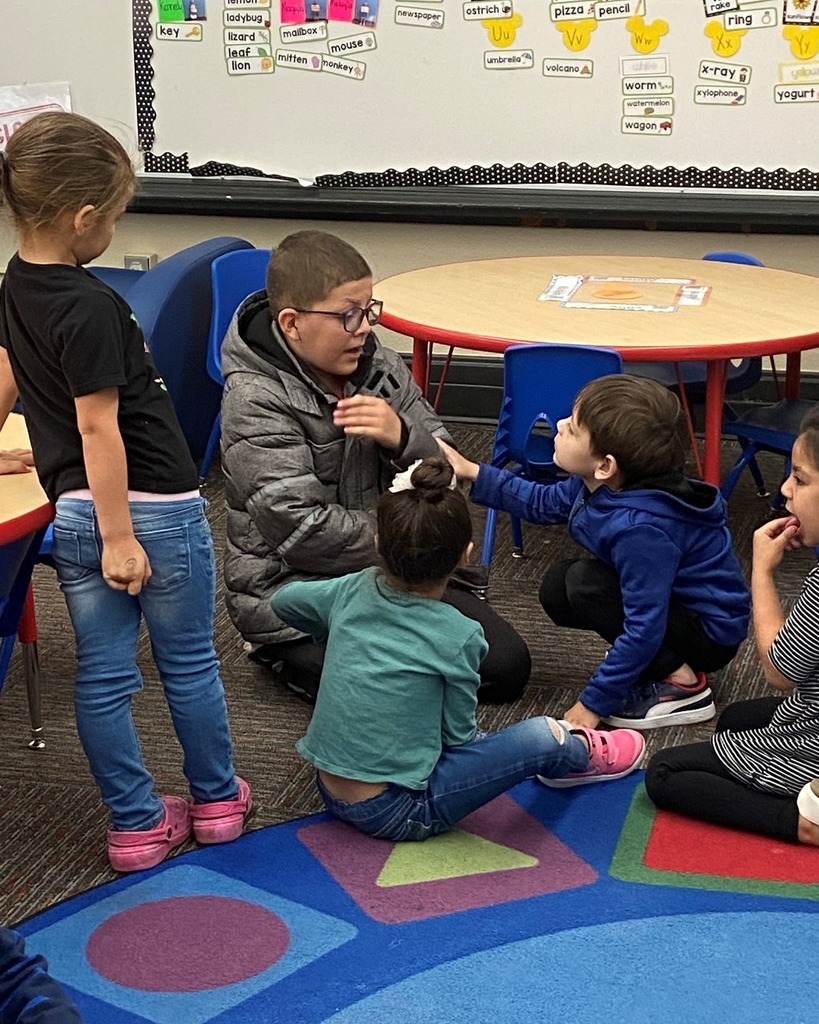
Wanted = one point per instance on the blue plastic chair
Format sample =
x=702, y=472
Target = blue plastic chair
x=19, y=546
x=765, y=428
x=539, y=387
x=234, y=276
x=121, y=279
x=173, y=302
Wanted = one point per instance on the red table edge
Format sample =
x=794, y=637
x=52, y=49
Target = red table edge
x=716, y=356
x=36, y=519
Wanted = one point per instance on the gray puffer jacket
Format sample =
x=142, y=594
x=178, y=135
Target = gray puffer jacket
x=300, y=493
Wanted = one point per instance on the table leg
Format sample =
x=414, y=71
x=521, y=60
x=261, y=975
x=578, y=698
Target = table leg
x=714, y=401
x=793, y=368
x=420, y=364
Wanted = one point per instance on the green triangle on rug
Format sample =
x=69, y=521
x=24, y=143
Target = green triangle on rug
x=453, y=854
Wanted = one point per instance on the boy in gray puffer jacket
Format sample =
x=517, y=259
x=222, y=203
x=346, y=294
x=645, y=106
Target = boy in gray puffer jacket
x=317, y=417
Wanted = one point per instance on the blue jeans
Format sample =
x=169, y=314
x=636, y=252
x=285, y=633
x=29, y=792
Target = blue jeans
x=178, y=605
x=464, y=779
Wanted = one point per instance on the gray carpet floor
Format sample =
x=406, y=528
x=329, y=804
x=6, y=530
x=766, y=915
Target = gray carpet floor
x=52, y=840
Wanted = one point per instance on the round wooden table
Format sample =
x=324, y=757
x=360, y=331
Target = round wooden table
x=488, y=305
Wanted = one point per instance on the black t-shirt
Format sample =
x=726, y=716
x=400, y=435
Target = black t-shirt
x=67, y=335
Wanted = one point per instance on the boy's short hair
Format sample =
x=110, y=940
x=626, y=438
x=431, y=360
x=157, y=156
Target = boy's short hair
x=307, y=266
x=636, y=420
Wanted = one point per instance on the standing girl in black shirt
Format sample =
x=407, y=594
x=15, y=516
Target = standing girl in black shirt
x=130, y=534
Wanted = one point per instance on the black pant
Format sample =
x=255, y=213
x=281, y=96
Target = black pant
x=504, y=671
x=691, y=780
x=585, y=593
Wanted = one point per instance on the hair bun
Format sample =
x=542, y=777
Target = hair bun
x=432, y=478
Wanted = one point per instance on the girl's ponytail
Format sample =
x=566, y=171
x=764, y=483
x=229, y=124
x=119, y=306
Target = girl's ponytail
x=61, y=163
x=431, y=479
x=424, y=529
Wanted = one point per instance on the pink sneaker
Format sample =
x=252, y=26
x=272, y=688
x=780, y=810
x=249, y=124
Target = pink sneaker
x=611, y=756
x=136, y=851
x=223, y=821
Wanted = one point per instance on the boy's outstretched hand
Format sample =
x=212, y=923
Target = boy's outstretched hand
x=464, y=469
x=579, y=715
x=369, y=416
x=772, y=540
x=16, y=460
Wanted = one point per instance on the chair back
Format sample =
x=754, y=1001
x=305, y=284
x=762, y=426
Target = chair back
x=733, y=257
x=539, y=387
x=234, y=276
x=173, y=303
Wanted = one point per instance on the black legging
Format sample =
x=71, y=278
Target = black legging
x=504, y=671
x=691, y=780
x=584, y=593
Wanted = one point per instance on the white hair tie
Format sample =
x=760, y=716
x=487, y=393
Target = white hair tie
x=403, y=481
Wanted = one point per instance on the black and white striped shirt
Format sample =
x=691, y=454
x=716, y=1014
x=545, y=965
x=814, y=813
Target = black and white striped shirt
x=783, y=756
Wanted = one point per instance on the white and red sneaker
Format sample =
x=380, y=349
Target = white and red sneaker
x=654, y=705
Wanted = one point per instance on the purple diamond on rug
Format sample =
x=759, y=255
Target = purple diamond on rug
x=187, y=944
x=527, y=860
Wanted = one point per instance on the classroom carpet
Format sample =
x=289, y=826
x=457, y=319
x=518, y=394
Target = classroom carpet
x=544, y=906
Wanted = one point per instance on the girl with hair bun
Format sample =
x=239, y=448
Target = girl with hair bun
x=393, y=736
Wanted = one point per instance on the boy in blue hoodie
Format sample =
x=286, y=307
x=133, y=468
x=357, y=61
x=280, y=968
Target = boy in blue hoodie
x=664, y=586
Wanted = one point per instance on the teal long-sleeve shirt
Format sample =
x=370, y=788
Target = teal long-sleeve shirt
x=400, y=677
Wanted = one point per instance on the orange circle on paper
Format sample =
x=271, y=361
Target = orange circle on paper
x=617, y=293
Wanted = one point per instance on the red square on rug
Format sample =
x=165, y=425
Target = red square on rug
x=694, y=847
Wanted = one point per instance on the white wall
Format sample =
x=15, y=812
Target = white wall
x=393, y=248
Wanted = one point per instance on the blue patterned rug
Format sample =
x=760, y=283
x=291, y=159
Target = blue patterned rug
x=545, y=906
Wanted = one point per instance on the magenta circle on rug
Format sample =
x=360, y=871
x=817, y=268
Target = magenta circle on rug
x=187, y=944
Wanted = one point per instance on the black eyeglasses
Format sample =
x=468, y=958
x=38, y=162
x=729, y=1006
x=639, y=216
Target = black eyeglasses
x=351, y=319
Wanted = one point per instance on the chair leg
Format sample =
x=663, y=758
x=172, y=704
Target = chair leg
x=210, y=451
x=488, y=547
x=777, y=501
x=517, y=539
x=27, y=634
x=31, y=669
x=761, y=486
x=730, y=482
x=439, y=391
x=692, y=436
x=6, y=650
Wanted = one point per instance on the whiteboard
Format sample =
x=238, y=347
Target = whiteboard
x=696, y=93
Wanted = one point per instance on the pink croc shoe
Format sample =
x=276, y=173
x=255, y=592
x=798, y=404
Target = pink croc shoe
x=611, y=756
x=223, y=821
x=136, y=851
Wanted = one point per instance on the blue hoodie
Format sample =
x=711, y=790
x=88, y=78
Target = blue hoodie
x=661, y=544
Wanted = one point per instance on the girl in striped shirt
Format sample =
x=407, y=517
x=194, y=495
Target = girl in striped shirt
x=760, y=771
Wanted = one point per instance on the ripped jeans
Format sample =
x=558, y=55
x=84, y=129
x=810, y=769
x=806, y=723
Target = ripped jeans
x=464, y=779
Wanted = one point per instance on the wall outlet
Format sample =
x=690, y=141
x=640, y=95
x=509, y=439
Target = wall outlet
x=141, y=261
